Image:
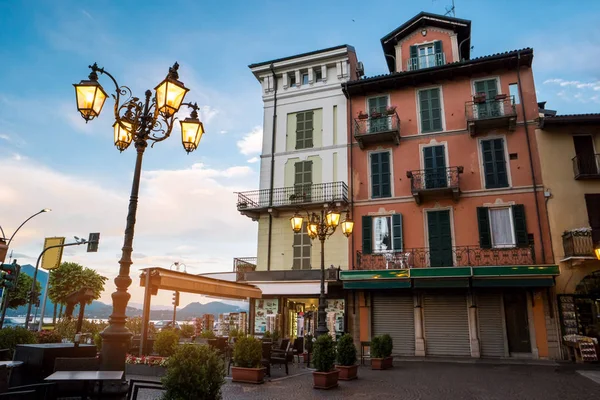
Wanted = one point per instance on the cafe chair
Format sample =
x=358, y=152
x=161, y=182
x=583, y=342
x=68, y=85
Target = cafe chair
x=279, y=357
x=38, y=391
x=136, y=384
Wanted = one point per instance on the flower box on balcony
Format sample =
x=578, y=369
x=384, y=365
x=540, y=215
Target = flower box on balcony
x=479, y=98
x=501, y=96
x=362, y=115
x=390, y=110
x=375, y=114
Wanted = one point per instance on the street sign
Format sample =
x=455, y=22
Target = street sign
x=52, y=257
x=93, y=242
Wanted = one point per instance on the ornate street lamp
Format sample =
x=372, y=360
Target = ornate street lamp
x=322, y=226
x=4, y=244
x=138, y=122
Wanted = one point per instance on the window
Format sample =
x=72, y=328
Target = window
x=513, y=90
x=382, y=234
x=494, y=163
x=302, y=180
x=318, y=74
x=378, y=120
x=430, y=110
x=304, y=130
x=502, y=227
x=491, y=108
x=302, y=246
x=292, y=79
x=426, y=56
x=305, y=78
x=380, y=175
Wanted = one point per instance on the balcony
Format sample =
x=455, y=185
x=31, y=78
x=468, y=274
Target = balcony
x=331, y=274
x=426, y=61
x=435, y=183
x=578, y=244
x=242, y=265
x=377, y=129
x=586, y=166
x=496, y=113
x=253, y=202
x=459, y=256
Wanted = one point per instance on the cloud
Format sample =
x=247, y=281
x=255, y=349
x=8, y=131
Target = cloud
x=251, y=143
x=254, y=160
x=4, y=137
x=187, y=215
x=223, y=131
x=575, y=90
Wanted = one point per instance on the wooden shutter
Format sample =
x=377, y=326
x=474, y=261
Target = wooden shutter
x=304, y=130
x=380, y=175
x=367, y=234
x=424, y=105
x=385, y=174
x=483, y=221
x=437, y=49
x=518, y=211
x=494, y=163
x=413, y=62
x=431, y=111
x=436, y=110
x=397, y=232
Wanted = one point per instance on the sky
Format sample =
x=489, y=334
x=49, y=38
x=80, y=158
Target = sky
x=50, y=158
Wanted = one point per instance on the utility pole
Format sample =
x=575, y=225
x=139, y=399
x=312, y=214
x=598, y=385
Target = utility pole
x=175, y=304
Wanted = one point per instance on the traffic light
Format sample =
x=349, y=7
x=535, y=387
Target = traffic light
x=10, y=276
x=93, y=240
x=176, y=299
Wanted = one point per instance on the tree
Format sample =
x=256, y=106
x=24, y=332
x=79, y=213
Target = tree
x=18, y=297
x=70, y=277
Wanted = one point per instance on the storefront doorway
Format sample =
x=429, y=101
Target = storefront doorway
x=517, y=322
x=301, y=317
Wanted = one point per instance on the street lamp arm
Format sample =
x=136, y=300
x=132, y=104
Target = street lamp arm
x=3, y=234
x=24, y=222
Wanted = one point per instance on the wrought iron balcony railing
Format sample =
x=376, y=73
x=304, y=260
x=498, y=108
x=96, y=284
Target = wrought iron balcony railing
x=435, y=181
x=426, y=61
x=377, y=129
x=293, y=195
x=499, y=112
x=459, y=256
x=578, y=243
x=586, y=166
x=241, y=265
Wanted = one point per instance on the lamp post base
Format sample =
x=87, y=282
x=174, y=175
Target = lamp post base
x=115, y=344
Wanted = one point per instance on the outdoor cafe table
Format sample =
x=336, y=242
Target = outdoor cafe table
x=86, y=377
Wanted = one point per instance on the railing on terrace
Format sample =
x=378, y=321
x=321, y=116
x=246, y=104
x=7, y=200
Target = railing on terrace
x=293, y=195
x=241, y=265
x=377, y=124
x=578, y=243
x=434, y=178
x=500, y=106
x=586, y=166
x=459, y=256
x=426, y=61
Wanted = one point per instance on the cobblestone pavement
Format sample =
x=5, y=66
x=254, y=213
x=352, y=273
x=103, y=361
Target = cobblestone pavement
x=428, y=381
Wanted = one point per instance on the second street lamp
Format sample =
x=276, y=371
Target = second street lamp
x=322, y=226
x=138, y=122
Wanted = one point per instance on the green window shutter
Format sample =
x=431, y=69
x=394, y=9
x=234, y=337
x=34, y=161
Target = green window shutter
x=375, y=175
x=425, y=109
x=494, y=163
x=437, y=46
x=397, y=232
x=380, y=175
x=483, y=221
x=431, y=110
x=436, y=110
x=367, y=235
x=308, y=129
x=385, y=174
x=520, y=224
x=414, y=58
x=439, y=57
x=299, y=130
x=298, y=173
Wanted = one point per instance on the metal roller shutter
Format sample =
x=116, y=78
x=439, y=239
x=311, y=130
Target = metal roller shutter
x=395, y=315
x=446, y=319
x=491, y=325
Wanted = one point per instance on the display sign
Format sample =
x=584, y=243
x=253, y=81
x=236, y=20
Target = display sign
x=52, y=257
x=335, y=317
x=265, y=315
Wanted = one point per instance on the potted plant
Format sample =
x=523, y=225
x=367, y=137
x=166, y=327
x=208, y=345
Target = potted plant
x=247, y=354
x=194, y=372
x=479, y=97
x=501, y=96
x=346, y=358
x=362, y=115
x=390, y=110
x=381, y=352
x=325, y=377
x=375, y=113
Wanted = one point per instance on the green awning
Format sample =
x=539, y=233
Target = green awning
x=360, y=275
x=440, y=283
x=378, y=284
x=516, y=270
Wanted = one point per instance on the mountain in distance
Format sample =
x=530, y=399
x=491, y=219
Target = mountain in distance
x=152, y=306
x=214, y=307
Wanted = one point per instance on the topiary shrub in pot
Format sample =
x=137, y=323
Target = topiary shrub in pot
x=325, y=377
x=381, y=352
x=247, y=354
x=11, y=337
x=166, y=342
x=346, y=358
x=194, y=372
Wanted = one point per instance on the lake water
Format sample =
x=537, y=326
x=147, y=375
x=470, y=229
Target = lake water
x=48, y=320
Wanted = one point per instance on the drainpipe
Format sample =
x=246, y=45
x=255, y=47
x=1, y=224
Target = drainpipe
x=272, y=166
x=537, y=206
x=351, y=176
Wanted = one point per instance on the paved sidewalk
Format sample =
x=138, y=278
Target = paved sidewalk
x=428, y=381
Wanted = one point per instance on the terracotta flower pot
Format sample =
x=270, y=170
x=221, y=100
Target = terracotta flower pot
x=382, y=363
x=363, y=116
x=347, y=373
x=325, y=380
x=248, y=375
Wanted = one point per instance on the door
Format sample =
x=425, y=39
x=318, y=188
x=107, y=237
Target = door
x=434, y=161
x=395, y=316
x=584, y=152
x=378, y=105
x=517, y=322
x=302, y=181
x=440, y=238
x=491, y=108
x=446, y=319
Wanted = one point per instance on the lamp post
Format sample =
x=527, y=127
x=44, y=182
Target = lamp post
x=4, y=244
x=322, y=226
x=140, y=122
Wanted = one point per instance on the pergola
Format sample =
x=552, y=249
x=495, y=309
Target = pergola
x=153, y=279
